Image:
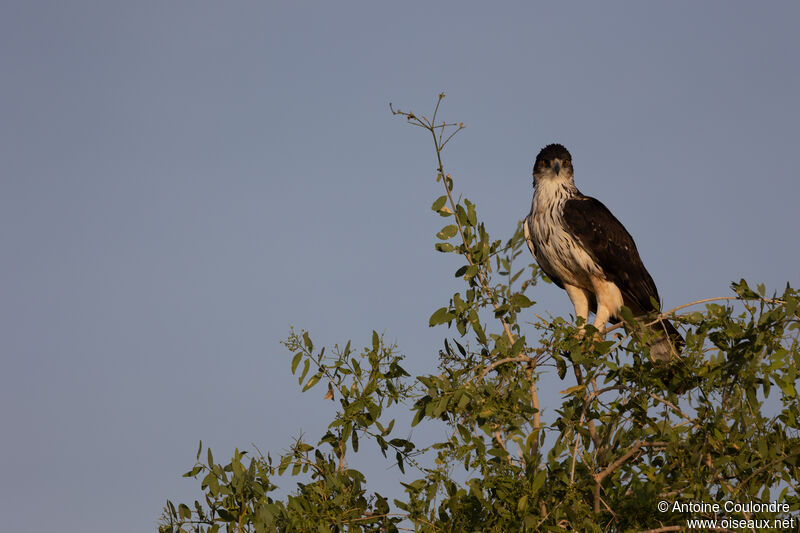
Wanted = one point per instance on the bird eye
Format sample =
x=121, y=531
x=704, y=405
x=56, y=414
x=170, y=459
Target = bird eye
x=567, y=162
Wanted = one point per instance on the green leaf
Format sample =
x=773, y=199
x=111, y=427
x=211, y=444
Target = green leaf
x=498, y=452
x=211, y=483
x=296, y=361
x=458, y=303
x=444, y=247
x=522, y=505
x=447, y=232
x=538, y=481
x=561, y=367
x=627, y=315
x=439, y=203
x=468, y=271
x=463, y=401
x=194, y=471
x=440, y=316
x=472, y=218
x=441, y=406
x=516, y=348
x=313, y=380
x=471, y=271
x=304, y=447
x=460, y=348
x=520, y=300
x=226, y=515
x=306, y=366
x=184, y=511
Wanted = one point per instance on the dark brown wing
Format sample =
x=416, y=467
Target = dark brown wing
x=612, y=247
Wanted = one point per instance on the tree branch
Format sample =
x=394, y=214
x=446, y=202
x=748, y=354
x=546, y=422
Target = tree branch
x=627, y=455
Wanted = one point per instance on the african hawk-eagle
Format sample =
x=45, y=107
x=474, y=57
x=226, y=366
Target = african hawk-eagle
x=587, y=252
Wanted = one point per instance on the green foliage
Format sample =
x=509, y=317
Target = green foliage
x=621, y=439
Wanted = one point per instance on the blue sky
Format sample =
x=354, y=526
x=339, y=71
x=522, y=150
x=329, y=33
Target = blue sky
x=182, y=181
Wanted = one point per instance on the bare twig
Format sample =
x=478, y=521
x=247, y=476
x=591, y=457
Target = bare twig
x=587, y=401
x=760, y=470
x=499, y=438
x=600, y=476
x=518, y=359
x=671, y=312
x=671, y=405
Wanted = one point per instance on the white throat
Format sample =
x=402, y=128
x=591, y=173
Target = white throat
x=549, y=193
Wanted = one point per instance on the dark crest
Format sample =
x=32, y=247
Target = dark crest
x=553, y=151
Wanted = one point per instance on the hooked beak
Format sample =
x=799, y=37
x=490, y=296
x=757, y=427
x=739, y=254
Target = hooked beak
x=557, y=168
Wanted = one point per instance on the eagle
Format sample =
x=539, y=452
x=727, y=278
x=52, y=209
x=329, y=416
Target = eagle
x=586, y=251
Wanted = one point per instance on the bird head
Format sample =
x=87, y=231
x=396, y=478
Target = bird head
x=554, y=162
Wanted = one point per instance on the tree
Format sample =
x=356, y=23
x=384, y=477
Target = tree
x=630, y=436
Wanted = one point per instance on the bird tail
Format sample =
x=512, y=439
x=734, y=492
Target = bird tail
x=668, y=343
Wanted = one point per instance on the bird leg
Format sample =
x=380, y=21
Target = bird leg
x=581, y=303
x=609, y=301
x=607, y=297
